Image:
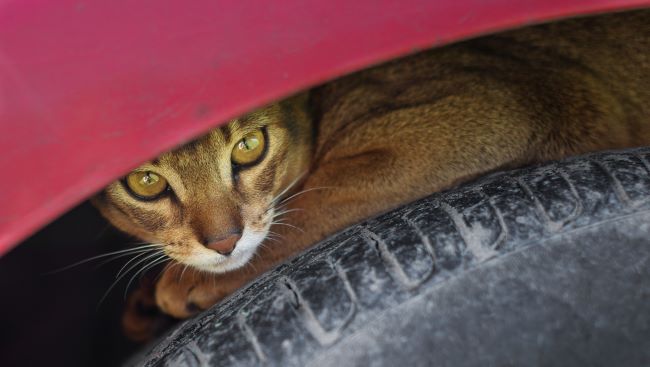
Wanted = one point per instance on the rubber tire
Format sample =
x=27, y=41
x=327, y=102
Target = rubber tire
x=544, y=266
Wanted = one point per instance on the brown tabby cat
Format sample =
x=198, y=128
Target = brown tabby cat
x=249, y=195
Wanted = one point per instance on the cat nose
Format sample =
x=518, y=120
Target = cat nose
x=224, y=245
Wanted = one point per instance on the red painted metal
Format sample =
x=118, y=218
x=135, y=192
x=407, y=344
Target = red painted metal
x=91, y=88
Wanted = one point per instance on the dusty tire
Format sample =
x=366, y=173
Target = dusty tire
x=545, y=266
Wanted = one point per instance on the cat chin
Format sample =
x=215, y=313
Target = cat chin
x=244, y=251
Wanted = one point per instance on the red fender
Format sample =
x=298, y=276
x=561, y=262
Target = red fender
x=91, y=88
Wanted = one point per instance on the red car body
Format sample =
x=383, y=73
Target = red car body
x=89, y=89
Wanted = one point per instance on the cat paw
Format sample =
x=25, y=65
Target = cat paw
x=183, y=293
x=142, y=321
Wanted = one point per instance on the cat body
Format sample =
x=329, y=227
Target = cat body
x=382, y=137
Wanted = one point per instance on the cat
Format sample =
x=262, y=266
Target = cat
x=252, y=193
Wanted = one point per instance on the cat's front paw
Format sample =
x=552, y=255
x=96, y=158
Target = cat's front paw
x=142, y=321
x=183, y=292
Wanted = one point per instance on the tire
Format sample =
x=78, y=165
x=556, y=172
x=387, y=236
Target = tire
x=544, y=266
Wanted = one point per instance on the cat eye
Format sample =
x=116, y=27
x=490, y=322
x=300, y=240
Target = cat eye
x=146, y=185
x=249, y=149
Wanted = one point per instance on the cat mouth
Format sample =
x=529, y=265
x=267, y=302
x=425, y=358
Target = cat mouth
x=243, y=252
x=213, y=262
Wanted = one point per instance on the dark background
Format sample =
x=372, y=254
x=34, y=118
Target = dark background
x=54, y=319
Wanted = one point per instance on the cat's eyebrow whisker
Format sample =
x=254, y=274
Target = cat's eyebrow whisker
x=128, y=251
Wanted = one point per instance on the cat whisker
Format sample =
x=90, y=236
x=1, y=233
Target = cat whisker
x=289, y=187
x=123, y=275
x=169, y=262
x=303, y=192
x=280, y=221
x=284, y=203
x=275, y=220
x=131, y=243
x=150, y=255
x=273, y=239
x=250, y=263
x=273, y=236
x=288, y=225
x=183, y=272
x=128, y=251
x=167, y=267
x=158, y=260
x=277, y=197
x=170, y=266
x=276, y=240
x=286, y=211
x=121, y=256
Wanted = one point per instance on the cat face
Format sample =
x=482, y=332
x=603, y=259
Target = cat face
x=210, y=204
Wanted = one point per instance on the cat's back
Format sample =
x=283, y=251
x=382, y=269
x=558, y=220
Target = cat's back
x=609, y=54
x=614, y=48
